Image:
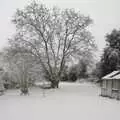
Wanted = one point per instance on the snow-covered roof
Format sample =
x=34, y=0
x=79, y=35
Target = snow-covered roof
x=113, y=75
x=116, y=77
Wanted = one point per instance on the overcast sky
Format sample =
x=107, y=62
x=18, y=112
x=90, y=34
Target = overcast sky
x=105, y=14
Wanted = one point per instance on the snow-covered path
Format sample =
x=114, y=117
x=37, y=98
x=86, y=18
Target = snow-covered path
x=72, y=101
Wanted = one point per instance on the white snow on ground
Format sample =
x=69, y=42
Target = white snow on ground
x=72, y=101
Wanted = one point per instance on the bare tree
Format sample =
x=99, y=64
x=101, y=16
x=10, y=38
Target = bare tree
x=20, y=68
x=52, y=36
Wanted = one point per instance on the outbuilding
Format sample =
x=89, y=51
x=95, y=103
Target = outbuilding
x=110, y=86
x=1, y=82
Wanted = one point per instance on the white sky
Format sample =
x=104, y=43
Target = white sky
x=105, y=14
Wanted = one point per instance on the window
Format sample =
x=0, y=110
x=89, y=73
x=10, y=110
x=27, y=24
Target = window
x=115, y=84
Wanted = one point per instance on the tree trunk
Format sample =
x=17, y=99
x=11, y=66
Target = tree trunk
x=24, y=88
x=55, y=84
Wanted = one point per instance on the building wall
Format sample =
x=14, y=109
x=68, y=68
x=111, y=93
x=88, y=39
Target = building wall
x=103, y=88
x=111, y=88
x=115, y=88
x=1, y=82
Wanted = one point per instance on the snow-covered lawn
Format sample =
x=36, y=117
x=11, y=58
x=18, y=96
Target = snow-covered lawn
x=72, y=101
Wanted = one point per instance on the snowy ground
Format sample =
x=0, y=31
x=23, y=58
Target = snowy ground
x=72, y=101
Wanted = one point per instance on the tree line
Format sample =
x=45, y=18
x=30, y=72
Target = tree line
x=110, y=59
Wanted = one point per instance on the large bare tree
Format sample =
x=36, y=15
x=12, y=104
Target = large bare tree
x=52, y=36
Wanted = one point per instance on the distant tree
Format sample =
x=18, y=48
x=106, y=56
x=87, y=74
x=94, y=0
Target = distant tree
x=97, y=71
x=73, y=74
x=113, y=39
x=82, y=71
x=52, y=36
